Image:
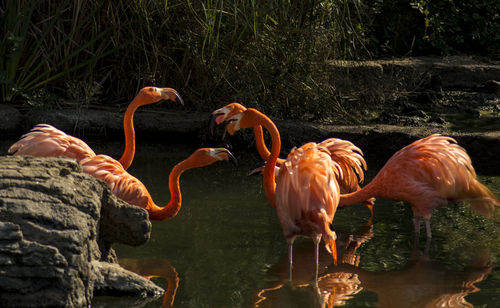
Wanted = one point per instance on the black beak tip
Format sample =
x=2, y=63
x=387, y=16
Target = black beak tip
x=178, y=99
x=212, y=124
x=257, y=169
x=233, y=159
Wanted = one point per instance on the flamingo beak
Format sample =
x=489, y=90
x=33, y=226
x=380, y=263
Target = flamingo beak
x=257, y=169
x=230, y=156
x=212, y=122
x=178, y=99
x=171, y=94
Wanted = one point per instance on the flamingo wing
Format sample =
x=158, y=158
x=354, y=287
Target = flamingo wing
x=122, y=184
x=45, y=140
x=350, y=159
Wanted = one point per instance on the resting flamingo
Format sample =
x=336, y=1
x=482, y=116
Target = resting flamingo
x=45, y=140
x=347, y=155
x=133, y=191
x=305, y=192
x=430, y=172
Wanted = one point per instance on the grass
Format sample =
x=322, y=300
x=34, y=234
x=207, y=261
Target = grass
x=272, y=55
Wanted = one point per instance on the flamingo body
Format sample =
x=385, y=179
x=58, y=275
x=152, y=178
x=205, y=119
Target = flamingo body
x=45, y=140
x=133, y=191
x=307, y=193
x=430, y=172
x=120, y=182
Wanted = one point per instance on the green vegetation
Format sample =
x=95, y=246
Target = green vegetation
x=45, y=42
x=267, y=54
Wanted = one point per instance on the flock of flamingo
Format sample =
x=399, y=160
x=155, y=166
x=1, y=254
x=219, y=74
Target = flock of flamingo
x=306, y=188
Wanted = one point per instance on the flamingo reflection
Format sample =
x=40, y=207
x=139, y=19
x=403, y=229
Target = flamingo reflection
x=333, y=288
x=421, y=283
x=151, y=268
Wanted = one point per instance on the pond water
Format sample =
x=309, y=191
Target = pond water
x=225, y=248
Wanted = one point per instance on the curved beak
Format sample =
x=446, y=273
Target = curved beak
x=171, y=94
x=212, y=123
x=257, y=169
x=230, y=156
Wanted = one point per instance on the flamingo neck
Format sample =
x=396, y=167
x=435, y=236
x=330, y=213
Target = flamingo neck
x=269, y=177
x=172, y=208
x=358, y=196
x=261, y=145
x=259, y=142
x=128, y=127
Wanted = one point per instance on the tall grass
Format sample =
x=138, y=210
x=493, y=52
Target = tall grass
x=48, y=42
x=272, y=54
x=265, y=54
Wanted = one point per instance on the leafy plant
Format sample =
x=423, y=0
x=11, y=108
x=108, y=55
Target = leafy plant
x=43, y=43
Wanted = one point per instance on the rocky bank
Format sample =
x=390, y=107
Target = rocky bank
x=57, y=226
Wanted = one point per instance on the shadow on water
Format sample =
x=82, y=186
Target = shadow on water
x=225, y=248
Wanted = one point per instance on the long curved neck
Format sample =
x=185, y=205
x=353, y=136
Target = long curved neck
x=173, y=207
x=258, y=135
x=128, y=127
x=261, y=145
x=269, y=178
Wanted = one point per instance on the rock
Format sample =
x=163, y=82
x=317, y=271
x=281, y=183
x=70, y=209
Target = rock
x=56, y=225
x=112, y=279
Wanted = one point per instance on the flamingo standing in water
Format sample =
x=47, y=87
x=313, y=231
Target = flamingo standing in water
x=347, y=155
x=133, y=191
x=430, y=172
x=45, y=140
x=305, y=192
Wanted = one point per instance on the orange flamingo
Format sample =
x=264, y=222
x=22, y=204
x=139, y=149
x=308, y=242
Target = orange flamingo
x=133, y=191
x=305, y=193
x=347, y=155
x=429, y=173
x=45, y=140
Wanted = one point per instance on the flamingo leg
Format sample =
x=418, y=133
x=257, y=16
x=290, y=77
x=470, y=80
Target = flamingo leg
x=428, y=227
x=427, y=246
x=416, y=225
x=316, y=240
x=290, y=258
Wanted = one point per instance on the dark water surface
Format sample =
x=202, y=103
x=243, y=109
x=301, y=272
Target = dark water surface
x=225, y=248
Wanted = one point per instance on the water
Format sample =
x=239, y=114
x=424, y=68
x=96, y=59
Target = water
x=225, y=248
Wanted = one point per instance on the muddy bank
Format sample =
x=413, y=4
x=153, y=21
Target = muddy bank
x=378, y=141
x=57, y=226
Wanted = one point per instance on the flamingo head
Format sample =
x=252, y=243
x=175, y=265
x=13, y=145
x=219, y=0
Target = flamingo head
x=223, y=114
x=245, y=119
x=149, y=95
x=206, y=156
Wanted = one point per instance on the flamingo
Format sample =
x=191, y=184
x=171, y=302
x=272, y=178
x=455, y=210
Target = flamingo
x=431, y=172
x=45, y=140
x=133, y=191
x=151, y=268
x=347, y=155
x=305, y=192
